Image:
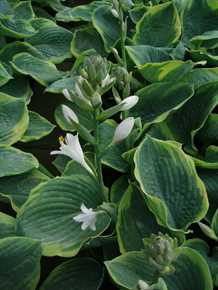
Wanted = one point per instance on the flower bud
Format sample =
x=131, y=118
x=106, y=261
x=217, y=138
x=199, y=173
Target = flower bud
x=67, y=94
x=142, y=285
x=129, y=103
x=123, y=130
x=115, y=13
x=69, y=114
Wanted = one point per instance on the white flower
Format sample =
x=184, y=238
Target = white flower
x=129, y=103
x=72, y=149
x=123, y=130
x=142, y=285
x=87, y=218
x=67, y=94
x=69, y=114
x=107, y=81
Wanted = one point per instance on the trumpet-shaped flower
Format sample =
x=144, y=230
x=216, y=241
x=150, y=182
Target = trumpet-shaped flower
x=69, y=114
x=123, y=130
x=87, y=218
x=72, y=148
x=129, y=103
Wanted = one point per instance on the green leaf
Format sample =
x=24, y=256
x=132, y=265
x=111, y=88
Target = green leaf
x=135, y=221
x=173, y=70
x=5, y=8
x=204, y=250
x=4, y=75
x=20, y=263
x=128, y=269
x=48, y=215
x=7, y=226
x=17, y=188
x=118, y=189
x=39, y=127
x=67, y=82
x=214, y=223
x=11, y=49
x=78, y=13
x=13, y=119
x=54, y=4
x=199, y=16
x=51, y=40
x=87, y=39
x=191, y=272
x=16, y=28
x=210, y=179
x=18, y=23
x=70, y=275
x=42, y=71
x=107, y=26
x=201, y=76
x=160, y=26
x=141, y=54
x=167, y=176
x=158, y=100
x=18, y=88
x=209, y=40
x=14, y=161
x=208, y=134
x=184, y=124
x=60, y=162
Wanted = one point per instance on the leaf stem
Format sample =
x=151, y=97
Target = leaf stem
x=123, y=34
x=98, y=156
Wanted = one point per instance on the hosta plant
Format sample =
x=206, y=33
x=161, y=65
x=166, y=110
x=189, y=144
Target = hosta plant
x=121, y=97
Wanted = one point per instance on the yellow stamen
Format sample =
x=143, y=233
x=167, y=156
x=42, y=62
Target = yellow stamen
x=61, y=139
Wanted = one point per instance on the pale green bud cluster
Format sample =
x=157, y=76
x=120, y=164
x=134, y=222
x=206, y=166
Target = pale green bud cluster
x=93, y=81
x=161, y=252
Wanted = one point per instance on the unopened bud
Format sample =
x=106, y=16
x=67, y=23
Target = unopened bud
x=115, y=13
x=129, y=103
x=123, y=130
x=67, y=94
x=69, y=114
x=142, y=285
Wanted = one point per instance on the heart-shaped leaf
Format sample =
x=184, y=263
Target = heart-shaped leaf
x=107, y=26
x=48, y=215
x=160, y=26
x=175, y=193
